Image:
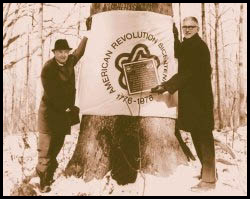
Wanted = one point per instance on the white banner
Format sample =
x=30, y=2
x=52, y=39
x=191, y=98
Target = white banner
x=128, y=52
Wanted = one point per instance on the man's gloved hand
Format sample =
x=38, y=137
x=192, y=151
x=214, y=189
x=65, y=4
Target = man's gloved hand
x=158, y=89
x=175, y=31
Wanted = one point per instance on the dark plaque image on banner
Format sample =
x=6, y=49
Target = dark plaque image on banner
x=141, y=76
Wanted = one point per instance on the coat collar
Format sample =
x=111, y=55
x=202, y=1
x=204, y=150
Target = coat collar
x=58, y=66
x=59, y=63
x=193, y=38
x=65, y=70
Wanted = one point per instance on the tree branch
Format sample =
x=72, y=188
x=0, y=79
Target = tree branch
x=6, y=10
x=12, y=63
x=211, y=26
x=223, y=13
x=11, y=40
x=50, y=5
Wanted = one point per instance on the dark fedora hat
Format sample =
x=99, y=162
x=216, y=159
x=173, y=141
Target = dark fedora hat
x=61, y=44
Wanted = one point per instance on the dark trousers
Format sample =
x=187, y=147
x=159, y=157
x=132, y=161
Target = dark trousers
x=49, y=147
x=203, y=141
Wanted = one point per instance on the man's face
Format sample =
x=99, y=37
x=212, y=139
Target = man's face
x=61, y=55
x=189, y=28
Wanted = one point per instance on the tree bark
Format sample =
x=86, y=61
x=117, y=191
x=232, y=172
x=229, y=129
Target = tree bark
x=217, y=64
x=180, y=22
x=39, y=88
x=126, y=144
x=226, y=107
x=240, y=80
x=203, y=19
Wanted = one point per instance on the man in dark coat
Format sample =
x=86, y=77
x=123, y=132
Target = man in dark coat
x=58, y=80
x=195, y=97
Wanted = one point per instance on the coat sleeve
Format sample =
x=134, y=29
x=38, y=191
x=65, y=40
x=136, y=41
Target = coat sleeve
x=198, y=68
x=176, y=82
x=177, y=47
x=51, y=91
x=78, y=53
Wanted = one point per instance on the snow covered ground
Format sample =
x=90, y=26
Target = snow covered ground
x=19, y=161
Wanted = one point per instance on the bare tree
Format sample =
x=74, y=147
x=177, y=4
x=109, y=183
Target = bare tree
x=12, y=14
x=217, y=18
x=203, y=19
x=240, y=79
x=226, y=107
x=39, y=89
x=180, y=21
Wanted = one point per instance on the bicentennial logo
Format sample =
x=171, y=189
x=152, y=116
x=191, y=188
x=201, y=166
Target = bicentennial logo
x=139, y=53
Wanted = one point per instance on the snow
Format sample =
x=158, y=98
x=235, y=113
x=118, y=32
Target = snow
x=19, y=161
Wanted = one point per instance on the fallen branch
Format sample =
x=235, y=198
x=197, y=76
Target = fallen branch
x=224, y=147
x=224, y=161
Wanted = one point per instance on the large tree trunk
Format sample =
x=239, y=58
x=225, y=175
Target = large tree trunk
x=126, y=144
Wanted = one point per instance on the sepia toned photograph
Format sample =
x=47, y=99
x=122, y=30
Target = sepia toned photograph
x=124, y=99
